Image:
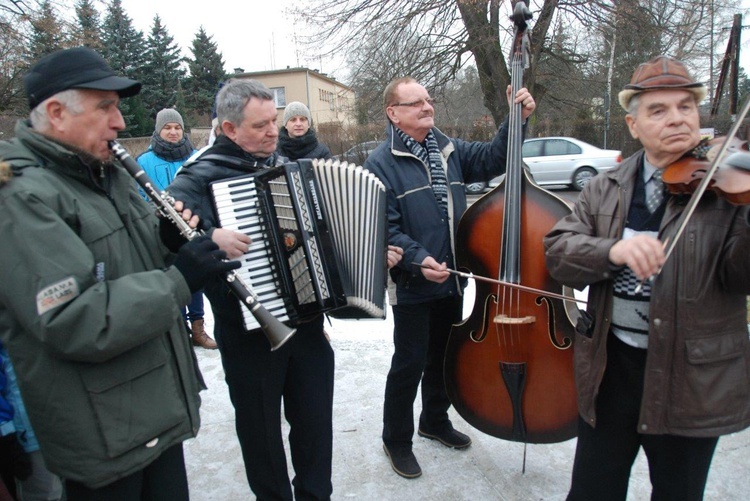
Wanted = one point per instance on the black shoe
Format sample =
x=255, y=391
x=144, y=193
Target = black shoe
x=449, y=438
x=403, y=462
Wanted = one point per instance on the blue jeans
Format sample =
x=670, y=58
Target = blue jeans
x=194, y=308
x=420, y=336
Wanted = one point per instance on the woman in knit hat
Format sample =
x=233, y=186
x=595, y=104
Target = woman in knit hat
x=170, y=148
x=297, y=138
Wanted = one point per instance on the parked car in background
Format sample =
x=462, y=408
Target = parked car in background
x=561, y=161
x=565, y=160
x=358, y=153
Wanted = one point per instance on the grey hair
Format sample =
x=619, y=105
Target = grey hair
x=389, y=94
x=70, y=98
x=633, y=105
x=234, y=96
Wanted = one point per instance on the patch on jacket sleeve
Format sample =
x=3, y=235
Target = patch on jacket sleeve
x=56, y=294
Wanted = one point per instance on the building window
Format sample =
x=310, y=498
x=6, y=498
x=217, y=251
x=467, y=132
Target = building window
x=279, y=97
x=326, y=96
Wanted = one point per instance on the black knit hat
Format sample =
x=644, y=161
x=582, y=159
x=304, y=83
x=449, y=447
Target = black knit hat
x=77, y=68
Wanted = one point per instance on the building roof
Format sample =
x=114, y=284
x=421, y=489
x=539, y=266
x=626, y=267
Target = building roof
x=323, y=76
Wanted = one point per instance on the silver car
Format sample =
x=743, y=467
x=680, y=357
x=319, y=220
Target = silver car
x=565, y=160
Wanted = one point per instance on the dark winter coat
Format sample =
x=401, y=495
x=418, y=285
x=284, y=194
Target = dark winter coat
x=225, y=159
x=416, y=222
x=306, y=146
x=90, y=313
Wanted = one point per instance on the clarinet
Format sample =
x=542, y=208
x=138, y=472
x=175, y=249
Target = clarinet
x=276, y=332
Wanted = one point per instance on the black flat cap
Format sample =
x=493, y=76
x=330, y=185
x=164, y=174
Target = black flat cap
x=76, y=68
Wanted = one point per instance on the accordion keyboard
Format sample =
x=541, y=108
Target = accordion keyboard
x=238, y=208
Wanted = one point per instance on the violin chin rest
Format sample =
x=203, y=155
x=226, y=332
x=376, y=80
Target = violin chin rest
x=738, y=160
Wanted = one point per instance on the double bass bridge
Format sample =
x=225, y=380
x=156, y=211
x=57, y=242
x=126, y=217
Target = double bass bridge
x=506, y=320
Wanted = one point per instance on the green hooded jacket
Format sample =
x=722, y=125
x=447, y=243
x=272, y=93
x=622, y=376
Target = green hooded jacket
x=91, y=314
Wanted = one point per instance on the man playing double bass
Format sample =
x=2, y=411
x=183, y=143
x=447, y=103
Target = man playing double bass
x=424, y=172
x=665, y=365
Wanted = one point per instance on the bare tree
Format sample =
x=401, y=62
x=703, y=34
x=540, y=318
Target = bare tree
x=23, y=25
x=14, y=19
x=16, y=7
x=381, y=57
x=11, y=71
x=456, y=32
x=568, y=38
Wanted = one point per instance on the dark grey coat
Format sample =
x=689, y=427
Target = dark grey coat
x=90, y=313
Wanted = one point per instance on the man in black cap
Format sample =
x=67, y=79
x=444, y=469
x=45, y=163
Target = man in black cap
x=665, y=364
x=90, y=298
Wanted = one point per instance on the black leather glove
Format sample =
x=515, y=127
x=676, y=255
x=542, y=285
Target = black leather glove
x=15, y=456
x=200, y=259
x=170, y=235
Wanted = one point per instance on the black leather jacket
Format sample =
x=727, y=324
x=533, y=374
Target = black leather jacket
x=224, y=160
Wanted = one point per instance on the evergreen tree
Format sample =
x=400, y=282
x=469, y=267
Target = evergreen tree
x=47, y=33
x=124, y=48
x=180, y=103
x=206, y=72
x=162, y=72
x=88, y=31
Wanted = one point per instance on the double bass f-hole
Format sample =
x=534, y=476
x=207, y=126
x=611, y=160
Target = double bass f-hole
x=491, y=301
x=509, y=365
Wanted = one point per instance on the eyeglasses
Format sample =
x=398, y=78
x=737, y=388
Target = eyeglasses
x=418, y=103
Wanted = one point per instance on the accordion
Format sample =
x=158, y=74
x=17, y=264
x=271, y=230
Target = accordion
x=319, y=238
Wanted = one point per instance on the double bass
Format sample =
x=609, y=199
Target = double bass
x=509, y=366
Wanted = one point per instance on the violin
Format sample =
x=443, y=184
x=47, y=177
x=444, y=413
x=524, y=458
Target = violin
x=730, y=180
x=718, y=171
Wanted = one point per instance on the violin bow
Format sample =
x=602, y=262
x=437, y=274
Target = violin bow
x=505, y=284
x=703, y=186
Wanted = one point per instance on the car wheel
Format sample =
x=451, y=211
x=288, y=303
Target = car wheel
x=581, y=177
x=475, y=188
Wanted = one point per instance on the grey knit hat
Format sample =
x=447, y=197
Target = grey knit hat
x=166, y=116
x=296, y=109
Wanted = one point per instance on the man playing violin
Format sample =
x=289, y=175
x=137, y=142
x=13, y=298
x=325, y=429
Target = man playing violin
x=664, y=366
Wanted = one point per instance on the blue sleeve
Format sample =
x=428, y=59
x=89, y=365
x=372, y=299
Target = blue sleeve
x=21, y=422
x=6, y=410
x=481, y=161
